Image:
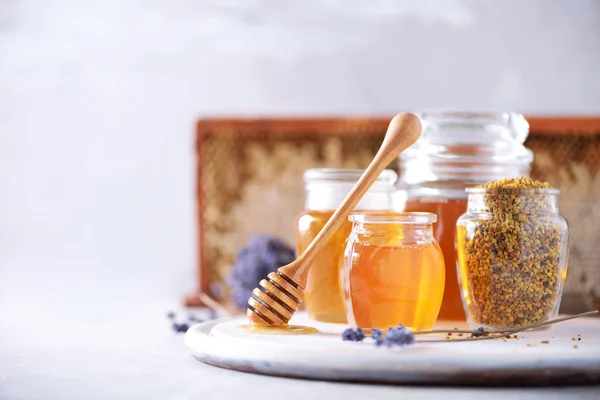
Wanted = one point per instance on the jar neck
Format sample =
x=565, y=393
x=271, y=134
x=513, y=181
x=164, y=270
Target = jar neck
x=397, y=234
x=451, y=189
x=326, y=189
x=329, y=197
x=426, y=174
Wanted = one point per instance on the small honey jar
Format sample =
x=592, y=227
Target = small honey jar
x=325, y=190
x=393, y=271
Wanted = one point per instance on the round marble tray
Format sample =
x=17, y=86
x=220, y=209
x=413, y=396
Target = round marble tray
x=324, y=356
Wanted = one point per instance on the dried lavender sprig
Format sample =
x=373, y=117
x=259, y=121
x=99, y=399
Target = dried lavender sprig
x=503, y=333
x=544, y=323
x=467, y=339
x=478, y=334
x=214, y=305
x=450, y=330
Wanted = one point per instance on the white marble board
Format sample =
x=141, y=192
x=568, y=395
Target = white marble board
x=324, y=356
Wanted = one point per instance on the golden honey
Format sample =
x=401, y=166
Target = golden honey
x=444, y=230
x=322, y=294
x=325, y=190
x=394, y=271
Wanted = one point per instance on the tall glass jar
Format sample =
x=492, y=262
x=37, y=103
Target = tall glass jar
x=512, y=252
x=458, y=150
x=325, y=190
x=393, y=272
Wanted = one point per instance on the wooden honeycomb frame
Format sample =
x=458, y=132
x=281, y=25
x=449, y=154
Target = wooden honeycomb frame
x=249, y=180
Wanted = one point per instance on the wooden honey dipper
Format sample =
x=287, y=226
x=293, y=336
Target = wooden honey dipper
x=276, y=298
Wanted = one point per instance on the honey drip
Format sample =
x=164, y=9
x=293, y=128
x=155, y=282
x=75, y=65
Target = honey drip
x=278, y=330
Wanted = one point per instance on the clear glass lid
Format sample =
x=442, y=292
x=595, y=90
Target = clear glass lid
x=467, y=146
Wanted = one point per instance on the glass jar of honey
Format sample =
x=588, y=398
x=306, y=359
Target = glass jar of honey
x=393, y=271
x=458, y=150
x=325, y=190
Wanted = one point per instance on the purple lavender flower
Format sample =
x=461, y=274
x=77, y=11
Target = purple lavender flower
x=180, y=328
x=353, y=335
x=399, y=337
x=263, y=255
x=480, y=331
x=377, y=335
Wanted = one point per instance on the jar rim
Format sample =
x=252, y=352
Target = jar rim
x=386, y=217
x=513, y=191
x=341, y=175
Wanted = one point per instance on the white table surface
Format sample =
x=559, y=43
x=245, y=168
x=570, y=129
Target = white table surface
x=104, y=357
